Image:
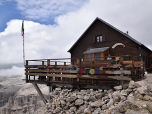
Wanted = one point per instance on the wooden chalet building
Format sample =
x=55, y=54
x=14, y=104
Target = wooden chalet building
x=101, y=39
x=103, y=55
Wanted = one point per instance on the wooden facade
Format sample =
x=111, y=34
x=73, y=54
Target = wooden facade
x=110, y=37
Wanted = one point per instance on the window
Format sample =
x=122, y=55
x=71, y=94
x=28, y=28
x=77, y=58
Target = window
x=99, y=38
x=89, y=57
x=97, y=57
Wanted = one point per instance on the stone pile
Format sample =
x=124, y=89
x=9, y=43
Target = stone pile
x=132, y=98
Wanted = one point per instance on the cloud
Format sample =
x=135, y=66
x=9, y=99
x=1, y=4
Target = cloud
x=12, y=72
x=53, y=41
x=46, y=9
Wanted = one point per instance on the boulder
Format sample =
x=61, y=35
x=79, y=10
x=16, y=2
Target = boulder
x=86, y=97
x=128, y=90
x=97, y=111
x=73, y=109
x=141, y=84
x=131, y=112
x=123, y=98
x=131, y=84
x=149, y=107
x=118, y=87
x=63, y=102
x=79, y=102
x=142, y=89
x=57, y=110
x=87, y=111
x=97, y=104
x=126, y=105
x=80, y=97
x=138, y=96
x=147, y=98
x=57, y=89
x=92, y=98
x=116, y=99
x=123, y=93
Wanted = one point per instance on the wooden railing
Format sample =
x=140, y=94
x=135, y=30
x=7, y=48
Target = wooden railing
x=52, y=71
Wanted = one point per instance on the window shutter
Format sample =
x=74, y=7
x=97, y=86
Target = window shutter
x=94, y=39
x=104, y=38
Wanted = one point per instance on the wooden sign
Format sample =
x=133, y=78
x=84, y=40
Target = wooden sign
x=117, y=44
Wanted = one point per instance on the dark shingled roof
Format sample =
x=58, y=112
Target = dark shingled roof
x=96, y=50
x=139, y=43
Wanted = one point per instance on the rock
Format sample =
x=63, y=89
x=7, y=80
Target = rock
x=123, y=93
x=123, y=98
x=116, y=99
x=98, y=103
x=63, y=102
x=83, y=107
x=92, y=98
x=98, y=95
x=126, y=105
x=116, y=93
x=104, y=107
x=79, y=111
x=131, y=84
x=114, y=110
x=100, y=90
x=57, y=89
x=131, y=98
x=134, y=89
x=138, y=96
x=149, y=107
x=142, y=89
x=131, y=112
x=110, y=103
x=73, y=109
x=141, y=84
x=147, y=98
x=118, y=87
x=57, y=110
x=143, y=111
x=137, y=84
x=74, y=95
x=79, y=102
x=71, y=104
x=125, y=86
x=128, y=90
x=80, y=97
x=110, y=90
x=72, y=99
x=135, y=107
x=97, y=111
x=87, y=111
x=86, y=97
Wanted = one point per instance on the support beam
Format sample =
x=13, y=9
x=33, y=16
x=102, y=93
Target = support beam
x=40, y=93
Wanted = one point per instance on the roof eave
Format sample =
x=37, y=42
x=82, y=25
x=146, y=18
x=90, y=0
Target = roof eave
x=82, y=35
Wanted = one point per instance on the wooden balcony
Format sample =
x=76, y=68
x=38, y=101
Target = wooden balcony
x=64, y=73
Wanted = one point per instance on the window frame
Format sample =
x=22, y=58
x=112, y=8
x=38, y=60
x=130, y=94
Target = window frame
x=97, y=59
x=99, y=38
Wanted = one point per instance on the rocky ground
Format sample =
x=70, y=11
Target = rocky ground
x=132, y=98
x=20, y=98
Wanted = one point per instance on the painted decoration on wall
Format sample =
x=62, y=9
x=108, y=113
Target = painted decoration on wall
x=118, y=44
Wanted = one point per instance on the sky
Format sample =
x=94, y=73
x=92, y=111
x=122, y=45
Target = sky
x=53, y=26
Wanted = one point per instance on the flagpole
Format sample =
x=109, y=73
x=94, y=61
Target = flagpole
x=23, y=42
x=23, y=51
